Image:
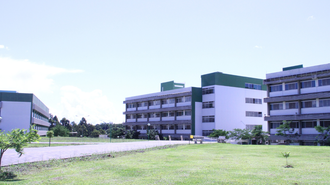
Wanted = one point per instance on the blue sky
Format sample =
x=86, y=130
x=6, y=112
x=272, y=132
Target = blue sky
x=82, y=58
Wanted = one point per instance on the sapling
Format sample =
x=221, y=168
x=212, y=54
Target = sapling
x=286, y=155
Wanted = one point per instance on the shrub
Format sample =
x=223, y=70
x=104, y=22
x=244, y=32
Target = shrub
x=60, y=130
x=7, y=175
x=95, y=133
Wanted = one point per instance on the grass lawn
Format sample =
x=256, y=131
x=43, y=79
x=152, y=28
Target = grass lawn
x=193, y=164
x=34, y=145
x=86, y=139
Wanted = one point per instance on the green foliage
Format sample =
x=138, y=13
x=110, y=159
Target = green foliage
x=286, y=155
x=286, y=131
x=217, y=133
x=95, y=133
x=116, y=130
x=258, y=134
x=240, y=134
x=152, y=134
x=324, y=137
x=132, y=134
x=60, y=130
x=7, y=175
x=17, y=139
x=102, y=132
x=50, y=134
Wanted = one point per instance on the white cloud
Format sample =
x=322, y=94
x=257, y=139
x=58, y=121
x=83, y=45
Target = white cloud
x=2, y=46
x=94, y=106
x=29, y=77
x=310, y=18
x=7, y=48
x=258, y=47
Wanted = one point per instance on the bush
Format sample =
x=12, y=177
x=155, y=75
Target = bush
x=7, y=175
x=60, y=131
x=217, y=133
x=95, y=133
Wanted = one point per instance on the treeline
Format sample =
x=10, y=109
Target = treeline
x=66, y=128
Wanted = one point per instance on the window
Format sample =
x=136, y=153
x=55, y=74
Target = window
x=294, y=124
x=180, y=113
x=207, y=132
x=209, y=90
x=179, y=127
x=163, y=127
x=253, y=114
x=130, y=105
x=187, y=112
x=308, y=104
x=324, y=123
x=155, y=102
x=187, y=127
x=154, y=115
x=291, y=105
x=291, y=86
x=276, y=106
x=187, y=98
x=183, y=113
x=168, y=101
x=324, y=82
x=275, y=88
x=308, y=124
x=171, y=127
x=142, y=104
x=253, y=86
x=209, y=104
x=165, y=114
x=308, y=84
x=180, y=99
x=253, y=100
x=207, y=119
x=324, y=102
x=139, y=115
x=275, y=125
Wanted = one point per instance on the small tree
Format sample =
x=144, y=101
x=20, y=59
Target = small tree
x=324, y=137
x=286, y=131
x=217, y=133
x=286, y=155
x=17, y=139
x=50, y=134
x=240, y=134
x=257, y=133
x=60, y=130
x=95, y=133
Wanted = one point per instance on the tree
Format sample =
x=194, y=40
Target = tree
x=240, y=134
x=257, y=133
x=117, y=130
x=95, y=133
x=50, y=134
x=60, y=130
x=324, y=136
x=17, y=139
x=217, y=133
x=286, y=131
x=132, y=134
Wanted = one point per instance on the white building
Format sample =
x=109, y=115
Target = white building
x=223, y=102
x=20, y=110
x=301, y=96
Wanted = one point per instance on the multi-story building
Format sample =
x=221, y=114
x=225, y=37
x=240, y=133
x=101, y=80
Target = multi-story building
x=300, y=96
x=223, y=102
x=20, y=110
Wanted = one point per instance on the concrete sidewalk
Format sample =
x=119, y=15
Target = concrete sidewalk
x=58, y=152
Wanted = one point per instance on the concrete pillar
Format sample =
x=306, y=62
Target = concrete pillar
x=299, y=107
x=175, y=129
x=300, y=127
x=318, y=122
x=299, y=87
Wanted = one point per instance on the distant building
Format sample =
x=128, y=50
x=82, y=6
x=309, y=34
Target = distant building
x=300, y=96
x=20, y=110
x=223, y=102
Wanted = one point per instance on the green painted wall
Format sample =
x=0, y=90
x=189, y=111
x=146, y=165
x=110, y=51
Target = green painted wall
x=166, y=86
x=196, y=97
x=292, y=67
x=218, y=78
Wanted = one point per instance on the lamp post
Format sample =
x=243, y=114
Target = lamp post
x=148, y=132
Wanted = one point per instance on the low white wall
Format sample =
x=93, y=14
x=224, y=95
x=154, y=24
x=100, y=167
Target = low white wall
x=283, y=112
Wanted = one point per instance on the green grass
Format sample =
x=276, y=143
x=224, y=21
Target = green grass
x=86, y=139
x=192, y=164
x=34, y=145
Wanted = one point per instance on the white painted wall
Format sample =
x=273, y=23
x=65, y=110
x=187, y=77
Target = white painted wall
x=315, y=110
x=309, y=131
x=183, y=104
x=15, y=115
x=183, y=118
x=154, y=107
x=284, y=112
x=230, y=108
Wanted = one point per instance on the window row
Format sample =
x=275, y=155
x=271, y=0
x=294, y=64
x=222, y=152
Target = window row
x=253, y=100
x=209, y=90
x=159, y=114
x=158, y=127
x=158, y=102
x=38, y=115
x=304, y=84
x=209, y=104
x=253, y=114
x=253, y=86
x=304, y=104
x=208, y=119
x=304, y=124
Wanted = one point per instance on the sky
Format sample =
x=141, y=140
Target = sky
x=82, y=58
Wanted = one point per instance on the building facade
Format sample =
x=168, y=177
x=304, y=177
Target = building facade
x=20, y=110
x=223, y=102
x=300, y=96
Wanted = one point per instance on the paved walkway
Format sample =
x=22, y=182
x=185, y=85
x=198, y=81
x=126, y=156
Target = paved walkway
x=58, y=152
